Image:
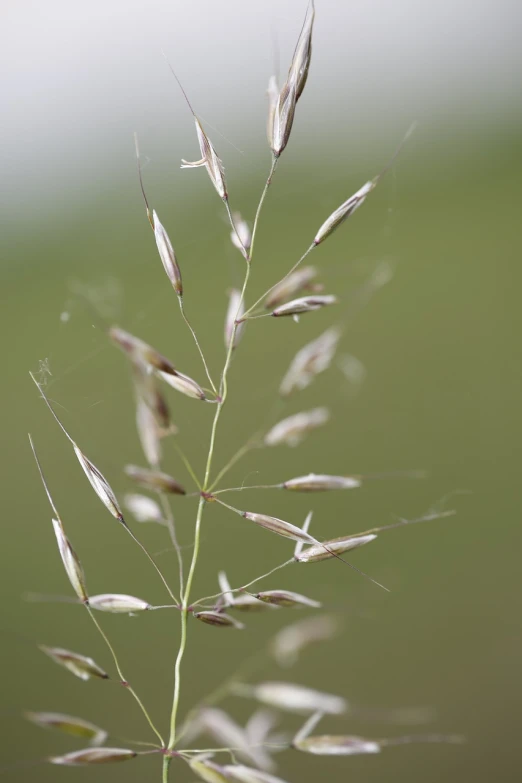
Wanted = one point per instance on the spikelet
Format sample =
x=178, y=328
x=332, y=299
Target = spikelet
x=154, y=480
x=184, y=384
x=81, y=758
x=313, y=359
x=71, y=563
x=241, y=236
x=167, y=255
x=321, y=483
x=286, y=598
x=209, y=159
x=305, y=304
x=328, y=745
x=219, y=619
x=279, y=526
x=294, y=698
x=292, y=430
x=291, y=640
x=290, y=286
x=143, y=508
x=234, y=313
x=333, y=547
x=140, y=351
x=80, y=665
x=69, y=725
x=117, y=603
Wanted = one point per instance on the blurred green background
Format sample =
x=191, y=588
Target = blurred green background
x=440, y=347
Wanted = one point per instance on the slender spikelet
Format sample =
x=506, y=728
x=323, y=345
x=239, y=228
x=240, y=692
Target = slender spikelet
x=167, y=255
x=293, y=430
x=303, y=52
x=148, y=432
x=235, y=312
x=241, y=236
x=147, y=391
x=278, y=526
x=80, y=665
x=333, y=547
x=273, y=98
x=283, y=116
x=155, y=480
x=248, y=775
x=313, y=359
x=291, y=285
x=210, y=159
x=343, y=212
x=117, y=603
x=321, y=483
x=286, y=598
x=290, y=641
x=84, y=758
x=219, y=619
x=100, y=485
x=305, y=304
x=219, y=725
x=209, y=771
x=143, y=508
x=331, y=745
x=71, y=562
x=293, y=698
x=184, y=384
x=140, y=351
x=69, y=725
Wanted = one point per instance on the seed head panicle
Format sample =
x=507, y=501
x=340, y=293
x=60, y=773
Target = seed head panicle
x=321, y=483
x=292, y=430
x=80, y=665
x=305, y=304
x=235, y=312
x=155, y=480
x=69, y=725
x=85, y=758
x=117, y=603
x=167, y=254
x=290, y=286
x=313, y=359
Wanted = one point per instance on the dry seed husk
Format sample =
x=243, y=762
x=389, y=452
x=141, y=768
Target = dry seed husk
x=141, y=351
x=210, y=160
x=291, y=640
x=80, y=758
x=331, y=745
x=118, y=603
x=321, y=483
x=344, y=211
x=303, y=52
x=80, y=665
x=208, y=771
x=248, y=775
x=71, y=563
x=228, y=733
x=219, y=619
x=279, y=526
x=295, y=698
x=243, y=602
x=68, y=724
x=100, y=484
x=242, y=236
x=292, y=430
x=148, y=432
x=287, y=598
x=234, y=313
x=154, y=479
x=273, y=97
x=143, y=508
x=289, y=286
x=184, y=384
x=313, y=359
x=283, y=116
x=167, y=255
x=333, y=547
x=305, y=304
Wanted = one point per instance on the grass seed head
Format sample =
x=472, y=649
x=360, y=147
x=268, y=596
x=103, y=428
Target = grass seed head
x=235, y=312
x=313, y=359
x=305, y=304
x=71, y=562
x=118, y=603
x=167, y=255
x=292, y=430
x=143, y=508
x=333, y=547
x=100, y=484
x=328, y=745
x=184, y=384
x=344, y=211
x=154, y=480
x=140, y=351
x=81, y=758
x=75, y=726
x=211, y=161
x=80, y=665
x=219, y=619
x=297, y=698
x=290, y=286
x=321, y=483
x=286, y=598
x=279, y=526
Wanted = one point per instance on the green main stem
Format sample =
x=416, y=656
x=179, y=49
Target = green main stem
x=185, y=597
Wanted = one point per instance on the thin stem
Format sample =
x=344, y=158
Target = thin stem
x=122, y=676
x=251, y=444
x=169, y=518
x=254, y=486
x=260, y=205
x=243, y=587
x=263, y=296
x=193, y=333
x=187, y=464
